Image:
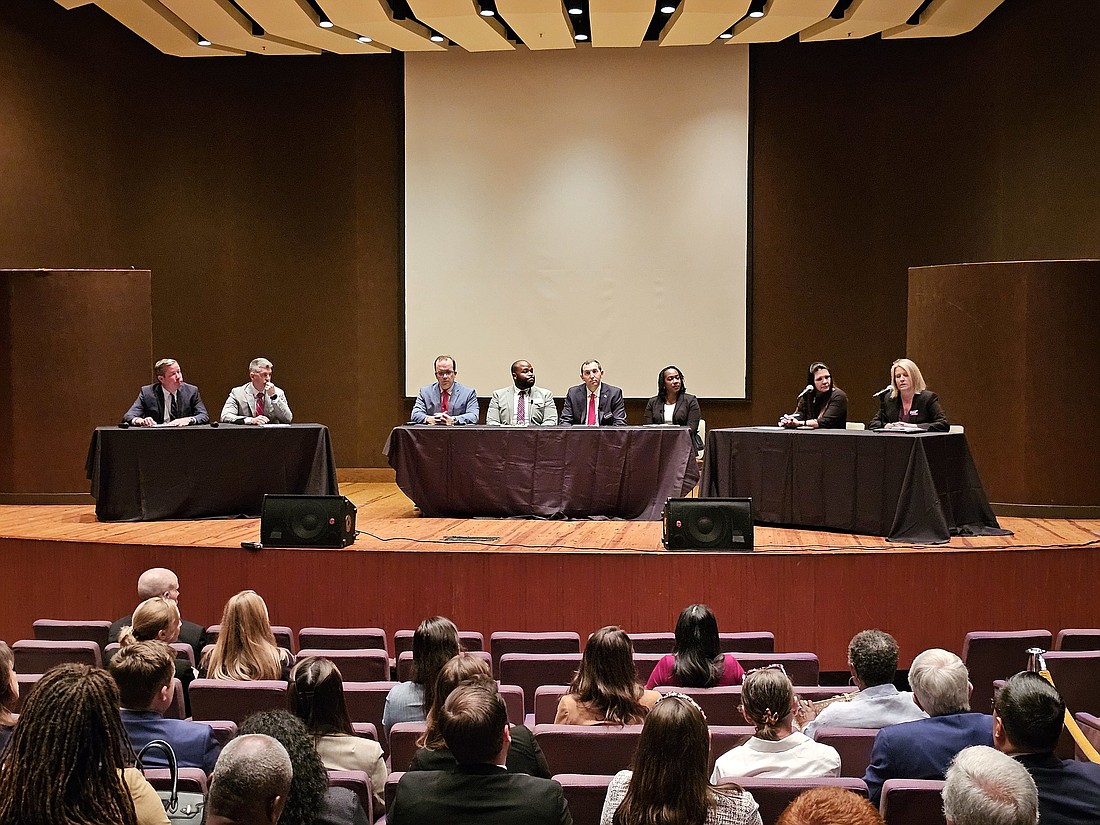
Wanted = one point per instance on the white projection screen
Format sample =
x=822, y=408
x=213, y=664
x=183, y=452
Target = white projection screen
x=566, y=205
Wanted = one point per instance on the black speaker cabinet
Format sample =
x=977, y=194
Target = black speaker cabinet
x=708, y=524
x=307, y=521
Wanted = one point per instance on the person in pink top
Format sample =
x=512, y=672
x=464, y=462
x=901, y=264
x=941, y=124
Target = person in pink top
x=695, y=660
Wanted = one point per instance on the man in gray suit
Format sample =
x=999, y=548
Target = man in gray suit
x=259, y=401
x=523, y=404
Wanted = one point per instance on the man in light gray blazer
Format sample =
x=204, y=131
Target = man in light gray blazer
x=537, y=408
x=259, y=401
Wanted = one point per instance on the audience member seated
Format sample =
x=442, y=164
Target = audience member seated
x=64, y=759
x=474, y=724
x=1028, y=714
x=310, y=800
x=144, y=673
x=158, y=619
x=246, y=649
x=160, y=581
x=605, y=690
x=524, y=753
x=316, y=696
x=923, y=749
x=985, y=787
x=768, y=701
x=669, y=779
x=434, y=642
x=250, y=784
x=9, y=693
x=873, y=661
x=673, y=404
x=830, y=806
x=696, y=660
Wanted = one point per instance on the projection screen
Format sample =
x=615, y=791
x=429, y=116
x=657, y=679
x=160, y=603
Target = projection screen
x=568, y=205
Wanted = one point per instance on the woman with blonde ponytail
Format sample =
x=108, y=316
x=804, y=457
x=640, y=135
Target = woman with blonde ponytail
x=158, y=619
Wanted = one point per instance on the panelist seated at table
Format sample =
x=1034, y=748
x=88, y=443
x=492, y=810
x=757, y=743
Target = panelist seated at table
x=822, y=405
x=906, y=404
x=168, y=401
x=593, y=403
x=673, y=404
x=522, y=404
x=446, y=401
x=259, y=401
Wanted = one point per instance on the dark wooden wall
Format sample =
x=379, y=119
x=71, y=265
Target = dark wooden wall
x=265, y=195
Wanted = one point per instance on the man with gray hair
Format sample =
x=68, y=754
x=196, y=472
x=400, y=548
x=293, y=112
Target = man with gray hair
x=251, y=782
x=923, y=749
x=873, y=661
x=160, y=581
x=985, y=787
x=259, y=401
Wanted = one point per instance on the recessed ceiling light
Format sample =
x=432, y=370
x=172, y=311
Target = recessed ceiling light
x=325, y=24
x=725, y=35
x=437, y=38
x=576, y=10
x=667, y=9
x=364, y=39
x=580, y=37
x=756, y=13
x=203, y=41
x=487, y=13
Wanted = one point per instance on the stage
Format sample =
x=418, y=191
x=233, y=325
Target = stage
x=813, y=589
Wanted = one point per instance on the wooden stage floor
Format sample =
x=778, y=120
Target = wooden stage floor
x=813, y=589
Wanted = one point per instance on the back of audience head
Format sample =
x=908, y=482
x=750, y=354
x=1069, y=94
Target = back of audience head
x=940, y=682
x=873, y=657
x=474, y=724
x=699, y=661
x=251, y=782
x=830, y=806
x=143, y=672
x=1028, y=714
x=459, y=670
x=246, y=647
x=158, y=617
x=63, y=760
x=316, y=696
x=987, y=787
x=158, y=581
x=307, y=788
x=9, y=686
x=434, y=643
x=767, y=700
x=607, y=678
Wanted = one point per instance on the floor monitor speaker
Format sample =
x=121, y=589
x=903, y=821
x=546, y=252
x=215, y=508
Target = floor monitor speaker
x=708, y=524
x=307, y=521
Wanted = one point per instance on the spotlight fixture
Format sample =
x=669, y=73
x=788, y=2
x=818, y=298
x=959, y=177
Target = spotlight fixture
x=488, y=13
x=324, y=23
x=725, y=35
x=757, y=8
x=574, y=10
x=436, y=38
x=667, y=9
x=203, y=41
x=364, y=39
x=581, y=37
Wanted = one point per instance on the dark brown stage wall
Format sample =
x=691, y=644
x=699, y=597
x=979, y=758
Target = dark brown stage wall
x=265, y=195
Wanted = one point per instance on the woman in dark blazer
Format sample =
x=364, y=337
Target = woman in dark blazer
x=909, y=403
x=672, y=405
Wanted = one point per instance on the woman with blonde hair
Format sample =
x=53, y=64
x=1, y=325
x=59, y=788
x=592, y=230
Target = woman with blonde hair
x=777, y=750
x=909, y=405
x=158, y=619
x=246, y=649
x=605, y=690
x=9, y=692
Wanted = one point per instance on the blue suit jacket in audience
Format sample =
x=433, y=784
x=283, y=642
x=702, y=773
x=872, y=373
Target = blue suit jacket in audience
x=1069, y=791
x=193, y=742
x=923, y=749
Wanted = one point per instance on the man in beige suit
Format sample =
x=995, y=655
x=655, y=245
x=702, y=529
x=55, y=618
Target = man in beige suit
x=522, y=404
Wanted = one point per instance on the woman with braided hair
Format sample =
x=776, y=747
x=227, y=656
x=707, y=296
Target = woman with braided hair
x=66, y=761
x=777, y=749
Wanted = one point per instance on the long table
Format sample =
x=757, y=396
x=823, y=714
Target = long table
x=548, y=472
x=909, y=487
x=154, y=473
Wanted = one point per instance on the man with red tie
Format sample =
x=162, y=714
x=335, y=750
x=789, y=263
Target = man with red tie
x=259, y=401
x=593, y=403
x=446, y=401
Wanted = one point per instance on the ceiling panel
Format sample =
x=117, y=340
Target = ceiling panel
x=540, y=24
x=374, y=19
x=783, y=19
x=222, y=23
x=295, y=20
x=698, y=22
x=151, y=21
x=461, y=22
x=946, y=18
x=619, y=23
x=862, y=19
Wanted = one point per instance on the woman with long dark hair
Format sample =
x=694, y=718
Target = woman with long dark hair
x=696, y=660
x=434, y=643
x=821, y=405
x=669, y=781
x=605, y=690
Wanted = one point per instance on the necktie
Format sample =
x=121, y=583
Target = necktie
x=521, y=409
x=173, y=410
x=444, y=399
x=591, y=410
x=259, y=403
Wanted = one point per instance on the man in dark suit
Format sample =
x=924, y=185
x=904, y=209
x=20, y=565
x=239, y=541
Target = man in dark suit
x=160, y=581
x=144, y=672
x=923, y=749
x=593, y=403
x=474, y=724
x=168, y=401
x=1027, y=720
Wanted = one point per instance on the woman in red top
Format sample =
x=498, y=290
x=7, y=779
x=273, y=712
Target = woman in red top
x=696, y=660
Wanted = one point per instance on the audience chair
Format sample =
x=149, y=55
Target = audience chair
x=774, y=795
x=1090, y=727
x=26, y=683
x=644, y=664
x=357, y=782
x=405, y=663
x=991, y=655
x=224, y=730
x=546, y=703
x=342, y=638
x=1076, y=675
x=467, y=640
x=853, y=744
x=912, y=802
x=1078, y=638
x=584, y=795
x=365, y=730
x=724, y=738
x=403, y=738
x=59, y=630
x=515, y=702
x=720, y=704
x=595, y=749
x=283, y=635
x=235, y=701
x=801, y=668
x=529, y=670
x=183, y=651
x=176, y=709
x=189, y=780
x=504, y=642
x=755, y=641
x=366, y=702
x=652, y=643
x=34, y=656
x=355, y=665
x=391, y=787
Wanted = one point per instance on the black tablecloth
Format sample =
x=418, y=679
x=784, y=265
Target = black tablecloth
x=153, y=473
x=550, y=472
x=912, y=487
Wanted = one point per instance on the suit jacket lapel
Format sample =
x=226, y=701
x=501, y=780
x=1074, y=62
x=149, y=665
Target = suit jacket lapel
x=509, y=403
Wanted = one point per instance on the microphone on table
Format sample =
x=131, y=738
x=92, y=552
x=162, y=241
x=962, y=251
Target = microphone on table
x=252, y=545
x=124, y=425
x=215, y=424
x=882, y=392
x=805, y=392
